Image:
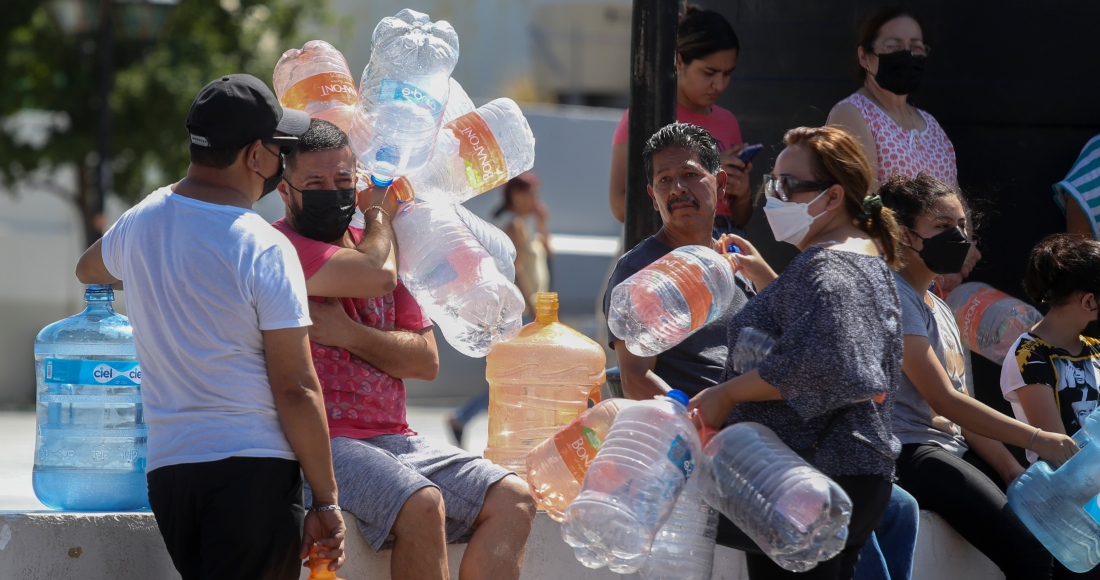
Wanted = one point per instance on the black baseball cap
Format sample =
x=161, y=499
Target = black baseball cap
x=236, y=110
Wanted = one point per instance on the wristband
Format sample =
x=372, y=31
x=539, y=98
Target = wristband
x=326, y=508
x=1033, y=436
x=379, y=208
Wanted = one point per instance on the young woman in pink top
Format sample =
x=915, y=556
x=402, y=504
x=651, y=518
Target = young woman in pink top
x=896, y=136
x=706, y=55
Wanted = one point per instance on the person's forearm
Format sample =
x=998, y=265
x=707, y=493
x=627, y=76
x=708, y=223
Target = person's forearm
x=995, y=454
x=399, y=353
x=982, y=420
x=379, y=243
x=748, y=388
x=302, y=415
x=642, y=387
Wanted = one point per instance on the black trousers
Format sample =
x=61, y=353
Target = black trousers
x=969, y=495
x=869, y=495
x=235, y=519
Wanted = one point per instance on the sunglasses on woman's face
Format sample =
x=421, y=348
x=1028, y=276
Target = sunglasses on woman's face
x=784, y=187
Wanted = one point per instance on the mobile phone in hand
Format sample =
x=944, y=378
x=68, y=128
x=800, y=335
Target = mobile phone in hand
x=749, y=152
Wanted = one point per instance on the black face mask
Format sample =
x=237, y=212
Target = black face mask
x=324, y=214
x=945, y=252
x=270, y=183
x=900, y=72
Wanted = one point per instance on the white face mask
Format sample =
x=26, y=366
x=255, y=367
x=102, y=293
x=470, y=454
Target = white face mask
x=790, y=221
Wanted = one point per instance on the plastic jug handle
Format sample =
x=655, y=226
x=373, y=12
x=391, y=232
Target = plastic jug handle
x=594, y=395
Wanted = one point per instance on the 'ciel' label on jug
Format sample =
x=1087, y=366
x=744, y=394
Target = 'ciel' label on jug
x=1092, y=508
x=93, y=372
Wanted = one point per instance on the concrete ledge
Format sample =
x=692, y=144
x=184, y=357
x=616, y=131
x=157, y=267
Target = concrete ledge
x=127, y=546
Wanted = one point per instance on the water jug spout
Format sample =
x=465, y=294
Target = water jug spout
x=546, y=307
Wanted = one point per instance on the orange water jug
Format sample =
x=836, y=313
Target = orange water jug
x=539, y=382
x=318, y=566
x=556, y=467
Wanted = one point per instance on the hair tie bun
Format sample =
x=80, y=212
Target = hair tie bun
x=872, y=204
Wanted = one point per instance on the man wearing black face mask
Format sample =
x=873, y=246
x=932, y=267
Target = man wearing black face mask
x=367, y=336
x=218, y=303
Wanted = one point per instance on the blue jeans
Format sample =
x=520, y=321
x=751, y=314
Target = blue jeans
x=888, y=555
x=472, y=407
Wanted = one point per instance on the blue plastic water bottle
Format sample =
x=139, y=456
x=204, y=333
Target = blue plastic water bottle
x=1062, y=508
x=91, y=445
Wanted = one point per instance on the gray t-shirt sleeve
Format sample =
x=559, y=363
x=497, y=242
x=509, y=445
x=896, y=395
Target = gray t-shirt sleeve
x=914, y=312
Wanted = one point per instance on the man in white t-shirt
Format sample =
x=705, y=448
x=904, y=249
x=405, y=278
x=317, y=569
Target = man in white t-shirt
x=217, y=300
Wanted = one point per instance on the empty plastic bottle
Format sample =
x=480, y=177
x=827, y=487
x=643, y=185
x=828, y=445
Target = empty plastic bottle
x=684, y=547
x=539, y=382
x=794, y=513
x=476, y=152
x=402, y=95
x=454, y=279
x=668, y=300
x=556, y=467
x=632, y=485
x=990, y=320
x=316, y=79
x=495, y=241
x=1062, y=508
x=91, y=445
x=752, y=347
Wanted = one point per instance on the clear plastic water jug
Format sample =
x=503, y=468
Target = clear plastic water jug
x=632, y=485
x=667, y=301
x=1062, y=507
x=539, y=382
x=556, y=467
x=683, y=548
x=990, y=320
x=91, y=445
x=316, y=79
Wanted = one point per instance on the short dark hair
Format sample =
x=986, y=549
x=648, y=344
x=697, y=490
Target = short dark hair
x=214, y=157
x=868, y=33
x=702, y=33
x=1061, y=265
x=321, y=136
x=911, y=197
x=682, y=136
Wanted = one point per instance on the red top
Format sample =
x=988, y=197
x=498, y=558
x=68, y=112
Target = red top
x=361, y=401
x=720, y=123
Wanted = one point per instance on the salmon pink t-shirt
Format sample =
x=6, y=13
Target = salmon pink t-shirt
x=361, y=401
x=720, y=123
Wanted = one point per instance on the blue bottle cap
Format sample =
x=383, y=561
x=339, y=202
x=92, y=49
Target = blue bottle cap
x=380, y=182
x=734, y=249
x=679, y=396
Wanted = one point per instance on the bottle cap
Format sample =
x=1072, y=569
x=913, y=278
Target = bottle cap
x=678, y=396
x=380, y=182
x=733, y=249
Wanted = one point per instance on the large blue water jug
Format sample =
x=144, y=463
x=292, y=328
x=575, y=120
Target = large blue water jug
x=90, y=450
x=1061, y=507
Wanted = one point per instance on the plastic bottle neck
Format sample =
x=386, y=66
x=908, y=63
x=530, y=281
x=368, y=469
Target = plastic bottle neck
x=546, y=307
x=100, y=298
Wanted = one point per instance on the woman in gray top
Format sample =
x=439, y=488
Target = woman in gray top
x=827, y=387
x=953, y=460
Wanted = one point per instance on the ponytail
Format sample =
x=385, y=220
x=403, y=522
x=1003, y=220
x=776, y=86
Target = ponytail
x=880, y=223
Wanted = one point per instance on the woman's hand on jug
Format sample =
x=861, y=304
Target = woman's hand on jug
x=1054, y=448
x=746, y=259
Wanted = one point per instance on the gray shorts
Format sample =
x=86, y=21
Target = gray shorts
x=375, y=476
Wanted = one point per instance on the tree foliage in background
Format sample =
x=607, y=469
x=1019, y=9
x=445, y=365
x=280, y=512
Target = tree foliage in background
x=43, y=69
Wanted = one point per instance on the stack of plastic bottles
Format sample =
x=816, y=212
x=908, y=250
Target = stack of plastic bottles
x=668, y=300
x=539, y=382
x=455, y=279
x=402, y=94
x=316, y=79
x=1062, y=508
x=990, y=320
x=556, y=467
x=632, y=486
x=91, y=445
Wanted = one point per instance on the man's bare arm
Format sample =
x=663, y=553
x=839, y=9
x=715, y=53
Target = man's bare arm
x=370, y=270
x=402, y=354
x=90, y=269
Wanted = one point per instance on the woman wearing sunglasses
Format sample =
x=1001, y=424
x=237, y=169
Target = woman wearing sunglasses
x=827, y=386
x=895, y=136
